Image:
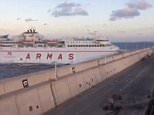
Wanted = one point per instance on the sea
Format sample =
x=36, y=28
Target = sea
x=13, y=70
x=131, y=46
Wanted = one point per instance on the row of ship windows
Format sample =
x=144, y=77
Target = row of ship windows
x=57, y=45
x=102, y=45
x=21, y=45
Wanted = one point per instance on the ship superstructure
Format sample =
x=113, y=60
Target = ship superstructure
x=32, y=48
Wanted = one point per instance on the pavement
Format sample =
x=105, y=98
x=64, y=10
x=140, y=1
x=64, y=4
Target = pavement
x=134, y=85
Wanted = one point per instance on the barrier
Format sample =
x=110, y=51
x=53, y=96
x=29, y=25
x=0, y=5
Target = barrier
x=36, y=93
x=30, y=101
x=17, y=83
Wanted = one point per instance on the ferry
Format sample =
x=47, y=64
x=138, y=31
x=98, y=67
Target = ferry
x=33, y=48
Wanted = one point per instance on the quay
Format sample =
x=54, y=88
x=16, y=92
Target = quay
x=134, y=84
x=81, y=89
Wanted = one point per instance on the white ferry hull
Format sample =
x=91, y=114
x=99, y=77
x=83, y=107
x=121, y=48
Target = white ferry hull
x=54, y=55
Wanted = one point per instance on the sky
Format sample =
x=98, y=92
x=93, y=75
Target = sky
x=116, y=20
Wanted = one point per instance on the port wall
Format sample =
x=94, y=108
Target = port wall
x=50, y=88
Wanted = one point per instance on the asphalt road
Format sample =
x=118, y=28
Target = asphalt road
x=133, y=84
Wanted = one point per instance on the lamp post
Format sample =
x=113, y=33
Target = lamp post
x=55, y=67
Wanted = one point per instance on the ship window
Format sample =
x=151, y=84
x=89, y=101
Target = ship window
x=40, y=45
x=20, y=46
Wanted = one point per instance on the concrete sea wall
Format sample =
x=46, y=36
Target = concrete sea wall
x=36, y=93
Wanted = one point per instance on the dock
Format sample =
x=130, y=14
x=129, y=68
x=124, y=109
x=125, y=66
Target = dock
x=134, y=85
x=124, y=81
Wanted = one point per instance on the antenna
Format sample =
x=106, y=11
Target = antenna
x=32, y=28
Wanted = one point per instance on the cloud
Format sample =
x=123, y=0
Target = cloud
x=124, y=13
x=131, y=10
x=18, y=18
x=150, y=28
x=49, y=10
x=69, y=9
x=30, y=20
x=121, y=31
x=139, y=33
x=141, y=5
x=65, y=4
x=45, y=24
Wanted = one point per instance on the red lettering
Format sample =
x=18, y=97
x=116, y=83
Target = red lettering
x=9, y=53
x=49, y=56
x=28, y=56
x=38, y=56
x=71, y=56
x=60, y=57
